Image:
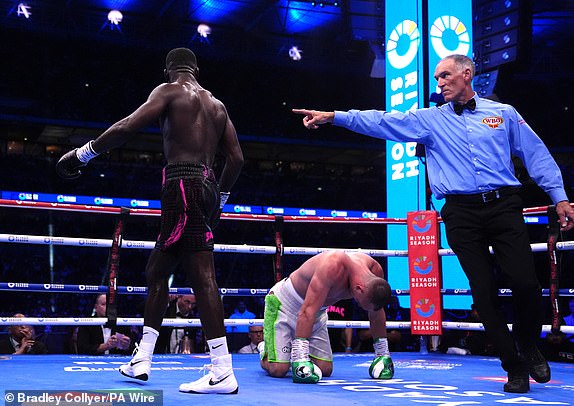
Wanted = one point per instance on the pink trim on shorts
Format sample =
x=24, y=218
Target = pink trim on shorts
x=182, y=189
x=178, y=229
x=163, y=177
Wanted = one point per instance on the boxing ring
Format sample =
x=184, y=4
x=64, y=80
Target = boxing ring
x=432, y=378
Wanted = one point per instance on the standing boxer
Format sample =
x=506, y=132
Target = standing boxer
x=194, y=125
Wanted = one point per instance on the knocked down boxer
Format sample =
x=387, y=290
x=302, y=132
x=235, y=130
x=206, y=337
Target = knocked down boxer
x=295, y=320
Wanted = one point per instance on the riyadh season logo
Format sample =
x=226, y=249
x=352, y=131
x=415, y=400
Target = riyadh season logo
x=422, y=265
x=448, y=36
x=425, y=307
x=421, y=224
x=403, y=44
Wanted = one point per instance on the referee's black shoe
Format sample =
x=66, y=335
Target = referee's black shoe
x=518, y=381
x=538, y=368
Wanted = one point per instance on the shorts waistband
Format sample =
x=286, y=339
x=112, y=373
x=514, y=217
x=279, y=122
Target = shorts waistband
x=284, y=289
x=483, y=198
x=178, y=170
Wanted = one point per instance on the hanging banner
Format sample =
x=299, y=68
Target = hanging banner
x=405, y=176
x=449, y=32
x=424, y=273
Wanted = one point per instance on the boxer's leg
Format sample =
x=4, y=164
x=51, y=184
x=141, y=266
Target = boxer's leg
x=200, y=273
x=160, y=265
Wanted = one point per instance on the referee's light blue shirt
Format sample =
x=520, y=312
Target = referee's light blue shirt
x=466, y=154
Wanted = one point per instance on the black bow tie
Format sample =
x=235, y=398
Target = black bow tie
x=471, y=105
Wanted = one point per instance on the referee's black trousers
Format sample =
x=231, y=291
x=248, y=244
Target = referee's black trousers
x=470, y=229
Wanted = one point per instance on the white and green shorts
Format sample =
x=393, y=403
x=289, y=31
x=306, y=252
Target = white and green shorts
x=282, y=306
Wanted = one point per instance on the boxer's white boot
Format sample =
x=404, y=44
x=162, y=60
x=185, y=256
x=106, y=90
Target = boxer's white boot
x=139, y=367
x=220, y=379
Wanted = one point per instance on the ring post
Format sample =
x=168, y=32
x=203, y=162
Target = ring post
x=554, y=262
x=424, y=274
x=113, y=270
x=278, y=256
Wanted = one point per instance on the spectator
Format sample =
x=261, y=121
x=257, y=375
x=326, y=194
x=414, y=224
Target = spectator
x=71, y=341
x=569, y=319
x=559, y=346
x=399, y=340
x=553, y=345
x=341, y=338
x=467, y=342
x=236, y=336
x=99, y=340
x=255, y=335
x=171, y=339
x=568, y=352
x=240, y=312
x=21, y=340
x=476, y=341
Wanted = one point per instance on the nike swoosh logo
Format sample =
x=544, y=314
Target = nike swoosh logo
x=212, y=382
x=137, y=362
x=216, y=346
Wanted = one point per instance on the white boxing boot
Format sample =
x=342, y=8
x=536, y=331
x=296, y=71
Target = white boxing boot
x=139, y=367
x=220, y=379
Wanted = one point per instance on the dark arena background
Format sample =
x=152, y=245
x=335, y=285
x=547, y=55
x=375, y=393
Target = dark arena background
x=70, y=69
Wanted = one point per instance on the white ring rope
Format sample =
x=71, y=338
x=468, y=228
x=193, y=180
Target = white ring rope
x=135, y=321
x=230, y=248
x=142, y=290
x=243, y=248
x=136, y=290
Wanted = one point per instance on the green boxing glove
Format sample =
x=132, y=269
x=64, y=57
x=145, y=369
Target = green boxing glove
x=382, y=368
x=305, y=372
x=302, y=369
